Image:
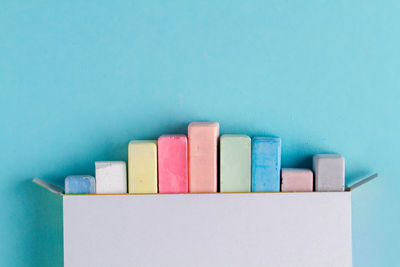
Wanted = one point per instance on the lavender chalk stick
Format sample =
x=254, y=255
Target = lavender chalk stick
x=297, y=180
x=266, y=164
x=80, y=184
x=329, y=172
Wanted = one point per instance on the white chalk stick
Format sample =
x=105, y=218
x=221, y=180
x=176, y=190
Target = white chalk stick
x=111, y=177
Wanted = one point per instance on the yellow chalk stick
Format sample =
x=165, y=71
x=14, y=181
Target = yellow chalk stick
x=142, y=166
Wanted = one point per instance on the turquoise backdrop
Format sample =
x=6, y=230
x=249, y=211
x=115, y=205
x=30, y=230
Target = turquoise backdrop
x=79, y=79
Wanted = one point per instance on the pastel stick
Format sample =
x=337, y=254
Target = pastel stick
x=235, y=163
x=111, y=177
x=329, y=172
x=297, y=180
x=172, y=164
x=142, y=166
x=266, y=164
x=80, y=184
x=203, y=141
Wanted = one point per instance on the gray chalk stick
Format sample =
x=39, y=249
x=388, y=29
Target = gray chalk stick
x=329, y=172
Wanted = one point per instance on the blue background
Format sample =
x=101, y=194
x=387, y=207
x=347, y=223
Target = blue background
x=79, y=79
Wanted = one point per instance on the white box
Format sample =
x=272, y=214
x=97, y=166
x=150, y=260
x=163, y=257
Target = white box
x=220, y=229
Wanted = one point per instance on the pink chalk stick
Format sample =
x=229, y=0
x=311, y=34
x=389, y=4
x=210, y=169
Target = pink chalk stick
x=297, y=180
x=172, y=164
x=203, y=140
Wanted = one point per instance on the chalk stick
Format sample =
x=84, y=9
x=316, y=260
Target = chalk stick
x=329, y=172
x=297, y=180
x=80, y=184
x=203, y=141
x=266, y=164
x=235, y=163
x=142, y=166
x=172, y=164
x=111, y=177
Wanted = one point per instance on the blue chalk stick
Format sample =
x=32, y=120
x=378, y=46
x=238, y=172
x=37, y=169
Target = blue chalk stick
x=266, y=164
x=80, y=184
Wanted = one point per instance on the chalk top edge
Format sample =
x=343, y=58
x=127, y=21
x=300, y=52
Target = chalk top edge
x=266, y=139
x=204, y=124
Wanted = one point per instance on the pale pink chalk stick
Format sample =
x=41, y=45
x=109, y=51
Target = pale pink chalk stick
x=297, y=180
x=172, y=164
x=203, y=141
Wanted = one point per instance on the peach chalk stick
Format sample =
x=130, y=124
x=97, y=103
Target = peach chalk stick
x=297, y=180
x=142, y=166
x=203, y=140
x=172, y=164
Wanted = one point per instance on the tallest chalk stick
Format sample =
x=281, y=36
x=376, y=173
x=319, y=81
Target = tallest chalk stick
x=203, y=139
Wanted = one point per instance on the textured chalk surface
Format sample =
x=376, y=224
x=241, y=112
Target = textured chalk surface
x=297, y=180
x=172, y=164
x=329, y=172
x=111, y=177
x=203, y=140
x=142, y=166
x=80, y=184
x=235, y=163
x=266, y=164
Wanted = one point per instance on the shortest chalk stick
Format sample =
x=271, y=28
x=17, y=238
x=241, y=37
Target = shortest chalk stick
x=111, y=177
x=80, y=184
x=329, y=172
x=297, y=180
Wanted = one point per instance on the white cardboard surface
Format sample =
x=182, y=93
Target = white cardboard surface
x=250, y=229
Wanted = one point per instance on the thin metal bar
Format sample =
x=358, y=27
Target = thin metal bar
x=52, y=188
x=363, y=181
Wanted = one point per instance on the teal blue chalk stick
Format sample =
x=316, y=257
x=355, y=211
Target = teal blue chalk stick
x=266, y=164
x=80, y=184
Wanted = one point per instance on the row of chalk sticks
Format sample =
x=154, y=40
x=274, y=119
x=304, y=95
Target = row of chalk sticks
x=189, y=164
